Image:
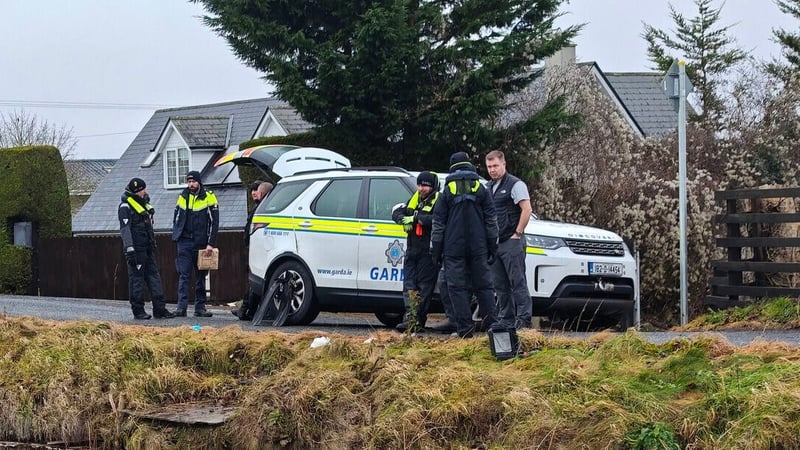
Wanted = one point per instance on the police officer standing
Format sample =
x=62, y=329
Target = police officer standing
x=258, y=190
x=194, y=227
x=465, y=235
x=419, y=270
x=139, y=243
x=513, y=204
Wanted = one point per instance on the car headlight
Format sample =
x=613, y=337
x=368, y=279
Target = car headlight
x=545, y=242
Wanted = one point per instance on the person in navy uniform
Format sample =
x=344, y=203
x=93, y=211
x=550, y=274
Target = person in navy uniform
x=419, y=270
x=139, y=244
x=194, y=228
x=464, y=237
x=258, y=191
x=513, y=204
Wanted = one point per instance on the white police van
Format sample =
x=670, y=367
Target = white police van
x=328, y=227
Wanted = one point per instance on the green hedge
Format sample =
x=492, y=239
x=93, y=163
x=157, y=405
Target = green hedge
x=34, y=189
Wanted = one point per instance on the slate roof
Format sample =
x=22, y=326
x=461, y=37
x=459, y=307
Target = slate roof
x=203, y=132
x=99, y=214
x=84, y=175
x=644, y=98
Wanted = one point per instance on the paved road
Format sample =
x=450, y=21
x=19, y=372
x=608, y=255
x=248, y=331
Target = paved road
x=52, y=308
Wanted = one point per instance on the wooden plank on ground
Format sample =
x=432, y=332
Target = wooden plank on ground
x=187, y=413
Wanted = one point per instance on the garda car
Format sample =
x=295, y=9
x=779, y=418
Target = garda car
x=330, y=231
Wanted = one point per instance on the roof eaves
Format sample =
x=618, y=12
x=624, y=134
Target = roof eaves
x=617, y=99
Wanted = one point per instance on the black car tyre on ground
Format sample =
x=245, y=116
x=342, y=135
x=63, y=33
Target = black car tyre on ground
x=303, y=307
x=389, y=319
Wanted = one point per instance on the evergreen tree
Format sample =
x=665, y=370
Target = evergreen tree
x=706, y=47
x=790, y=42
x=415, y=79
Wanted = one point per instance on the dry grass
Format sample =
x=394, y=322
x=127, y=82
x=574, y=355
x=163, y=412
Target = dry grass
x=72, y=382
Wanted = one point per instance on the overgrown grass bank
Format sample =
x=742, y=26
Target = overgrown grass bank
x=73, y=382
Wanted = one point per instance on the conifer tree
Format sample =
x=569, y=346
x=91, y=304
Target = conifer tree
x=708, y=49
x=790, y=42
x=421, y=78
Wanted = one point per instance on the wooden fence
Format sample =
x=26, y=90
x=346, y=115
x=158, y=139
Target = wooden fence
x=747, y=271
x=94, y=267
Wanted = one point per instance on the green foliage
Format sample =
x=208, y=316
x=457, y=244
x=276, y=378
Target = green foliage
x=707, y=48
x=781, y=310
x=789, y=41
x=15, y=269
x=655, y=436
x=777, y=312
x=398, y=82
x=34, y=190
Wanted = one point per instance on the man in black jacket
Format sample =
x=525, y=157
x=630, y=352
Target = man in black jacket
x=194, y=228
x=513, y=205
x=139, y=244
x=465, y=236
x=258, y=191
x=419, y=270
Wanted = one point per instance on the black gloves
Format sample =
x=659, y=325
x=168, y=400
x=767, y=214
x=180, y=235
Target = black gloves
x=436, y=253
x=491, y=248
x=130, y=257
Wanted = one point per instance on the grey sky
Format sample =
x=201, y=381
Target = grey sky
x=157, y=53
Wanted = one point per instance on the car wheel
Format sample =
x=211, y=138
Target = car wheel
x=303, y=307
x=626, y=320
x=389, y=319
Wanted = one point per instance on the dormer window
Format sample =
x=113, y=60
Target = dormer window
x=176, y=162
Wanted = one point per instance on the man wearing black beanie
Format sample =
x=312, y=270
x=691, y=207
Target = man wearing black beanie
x=464, y=238
x=194, y=227
x=139, y=244
x=419, y=271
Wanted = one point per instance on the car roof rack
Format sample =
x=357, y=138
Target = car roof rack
x=348, y=169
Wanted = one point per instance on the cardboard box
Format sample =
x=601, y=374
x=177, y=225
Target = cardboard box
x=208, y=262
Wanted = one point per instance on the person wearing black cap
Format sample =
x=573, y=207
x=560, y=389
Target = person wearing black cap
x=464, y=237
x=194, y=228
x=419, y=271
x=139, y=244
x=258, y=191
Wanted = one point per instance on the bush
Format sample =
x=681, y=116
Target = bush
x=34, y=189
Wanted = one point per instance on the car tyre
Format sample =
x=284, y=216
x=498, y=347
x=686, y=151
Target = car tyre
x=389, y=319
x=303, y=307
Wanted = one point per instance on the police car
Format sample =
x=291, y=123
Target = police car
x=327, y=226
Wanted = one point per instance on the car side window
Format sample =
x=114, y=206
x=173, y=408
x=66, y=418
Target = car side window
x=339, y=199
x=281, y=196
x=384, y=193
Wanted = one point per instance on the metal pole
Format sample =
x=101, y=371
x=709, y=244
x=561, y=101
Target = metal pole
x=682, y=186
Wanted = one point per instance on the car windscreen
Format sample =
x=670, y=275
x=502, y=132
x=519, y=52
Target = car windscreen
x=282, y=195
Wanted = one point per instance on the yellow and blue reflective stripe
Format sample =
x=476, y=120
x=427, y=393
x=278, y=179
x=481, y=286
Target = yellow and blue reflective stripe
x=330, y=226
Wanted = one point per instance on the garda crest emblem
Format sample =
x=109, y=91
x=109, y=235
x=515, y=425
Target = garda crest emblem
x=394, y=253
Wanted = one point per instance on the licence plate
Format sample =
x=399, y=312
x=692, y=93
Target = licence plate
x=614, y=269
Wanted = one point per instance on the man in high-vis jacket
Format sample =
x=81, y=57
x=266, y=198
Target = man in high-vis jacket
x=139, y=244
x=464, y=237
x=194, y=228
x=419, y=270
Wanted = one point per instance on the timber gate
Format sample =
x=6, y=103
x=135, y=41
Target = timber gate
x=762, y=245
x=94, y=267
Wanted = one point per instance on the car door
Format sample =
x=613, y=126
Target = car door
x=383, y=242
x=328, y=235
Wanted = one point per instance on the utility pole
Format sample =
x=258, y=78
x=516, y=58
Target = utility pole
x=677, y=86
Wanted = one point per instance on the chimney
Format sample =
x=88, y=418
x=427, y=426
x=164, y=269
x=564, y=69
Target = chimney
x=563, y=57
